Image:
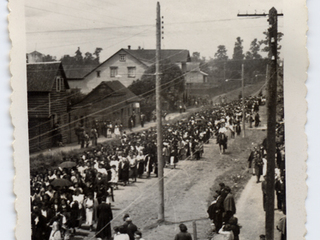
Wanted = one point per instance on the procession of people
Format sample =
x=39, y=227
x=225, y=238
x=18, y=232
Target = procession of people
x=79, y=192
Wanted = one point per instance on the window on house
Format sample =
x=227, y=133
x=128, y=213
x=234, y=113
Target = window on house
x=113, y=71
x=98, y=74
x=59, y=84
x=131, y=72
x=122, y=57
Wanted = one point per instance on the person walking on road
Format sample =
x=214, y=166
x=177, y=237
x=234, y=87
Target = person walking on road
x=183, y=234
x=94, y=136
x=258, y=165
x=142, y=119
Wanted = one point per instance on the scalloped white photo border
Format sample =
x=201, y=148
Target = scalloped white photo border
x=295, y=75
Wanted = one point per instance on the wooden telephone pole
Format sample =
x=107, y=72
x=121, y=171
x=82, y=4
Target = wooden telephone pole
x=159, y=124
x=271, y=112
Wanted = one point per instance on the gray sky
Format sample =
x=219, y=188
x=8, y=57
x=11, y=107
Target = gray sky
x=58, y=27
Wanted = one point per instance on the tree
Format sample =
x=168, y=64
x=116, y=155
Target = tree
x=254, y=50
x=265, y=43
x=78, y=57
x=221, y=53
x=238, y=50
x=195, y=57
x=97, y=54
x=87, y=61
x=49, y=58
x=88, y=58
x=172, y=82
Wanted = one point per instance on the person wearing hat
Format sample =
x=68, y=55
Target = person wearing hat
x=183, y=234
x=131, y=228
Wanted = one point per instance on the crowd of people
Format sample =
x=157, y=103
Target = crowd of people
x=80, y=194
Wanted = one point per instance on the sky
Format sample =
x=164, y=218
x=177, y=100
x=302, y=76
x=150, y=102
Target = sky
x=59, y=27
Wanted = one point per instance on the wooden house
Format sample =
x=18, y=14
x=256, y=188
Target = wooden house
x=47, y=104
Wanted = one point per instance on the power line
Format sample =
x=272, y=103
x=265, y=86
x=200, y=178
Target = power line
x=65, y=14
x=133, y=26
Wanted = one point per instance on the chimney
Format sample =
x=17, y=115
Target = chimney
x=129, y=47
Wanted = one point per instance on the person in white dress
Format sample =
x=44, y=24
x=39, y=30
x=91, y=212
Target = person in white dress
x=89, y=204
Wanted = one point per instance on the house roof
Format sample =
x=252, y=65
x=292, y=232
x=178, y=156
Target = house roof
x=74, y=71
x=41, y=76
x=149, y=55
x=36, y=53
x=108, y=89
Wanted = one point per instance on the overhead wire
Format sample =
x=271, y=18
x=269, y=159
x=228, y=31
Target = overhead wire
x=65, y=14
x=135, y=26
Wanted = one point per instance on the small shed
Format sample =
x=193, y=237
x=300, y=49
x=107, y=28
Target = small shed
x=110, y=101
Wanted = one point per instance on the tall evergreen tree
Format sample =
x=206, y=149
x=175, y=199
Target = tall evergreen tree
x=221, y=53
x=254, y=50
x=238, y=50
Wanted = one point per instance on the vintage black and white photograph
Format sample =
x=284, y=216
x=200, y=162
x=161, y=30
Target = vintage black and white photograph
x=156, y=119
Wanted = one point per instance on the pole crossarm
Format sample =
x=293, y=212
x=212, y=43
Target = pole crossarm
x=257, y=15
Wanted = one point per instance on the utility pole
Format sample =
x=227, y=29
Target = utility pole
x=271, y=111
x=243, y=108
x=159, y=124
x=271, y=131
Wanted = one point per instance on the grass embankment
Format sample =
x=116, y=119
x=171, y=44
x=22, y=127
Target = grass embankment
x=234, y=163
